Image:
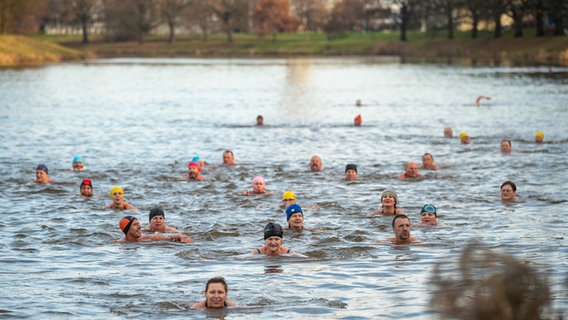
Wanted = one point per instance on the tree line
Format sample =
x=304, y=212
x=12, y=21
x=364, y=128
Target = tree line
x=122, y=20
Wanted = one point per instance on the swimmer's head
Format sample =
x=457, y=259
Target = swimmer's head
x=87, y=182
x=272, y=229
x=78, y=159
x=196, y=159
x=539, y=137
x=351, y=167
x=125, y=223
x=357, y=121
x=258, y=179
x=429, y=208
x=194, y=164
x=293, y=209
x=156, y=212
x=42, y=167
x=288, y=195
x=392, y=193
x=116, y=189
x=463, y=135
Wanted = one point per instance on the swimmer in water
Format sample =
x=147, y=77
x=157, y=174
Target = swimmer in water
x=316, y=164
x=259, y=120
x=479, y=98
x=288, y=198
x=464, y=138
x=273, y=242
x=193, y=172
x=42, y=176
x=508, y=191
x=78, y=163
x=357, y=121
x=117, y=196
x=429, y=216
x=401, y=229
x=258, y=187
x=351, y=172
x=157, y=220
x=506, y=146
x=216, y=291
x=389, y=200
x=428, y=162
x=539, y=137
x=448, y=133
x=228, y=158
x=410, y=171
x=86, y=188
x=133, y=233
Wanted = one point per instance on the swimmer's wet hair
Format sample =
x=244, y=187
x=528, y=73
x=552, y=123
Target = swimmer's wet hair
x=513, y=186
x=399, y=216
x=217, y=280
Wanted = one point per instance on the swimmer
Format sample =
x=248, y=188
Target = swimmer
x=216, y=291
x=316, y=164
x=428, y=162
x=259, y=120
x=133, y=233
x=86, y=188
x=258, y=187
x=401, y=229
x=478, y=100
x=410, y=171
x=78, y=163
x=464, y=138
x=288, y=198
x=539, y=137
x=351, y=172
x=295, y=217
x=157, y=221
x=448, y=133
x=358, y=120
x=508, y=191
x=506, y=146
x=117, y=196
x=358, y=103
x=429, y=216
x=228, y=158
x=272, y=241
x=193, y=172
x=389, y=200
x=199, y=161
x=41, y=175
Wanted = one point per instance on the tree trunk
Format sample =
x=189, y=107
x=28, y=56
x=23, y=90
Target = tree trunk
x=172, y=32
x=539, y=18
x=450, y=21
x=558, y=25
x=497, y=34
x=517, y=24
x=474, y=27
x=85, y=25
x=404, y=22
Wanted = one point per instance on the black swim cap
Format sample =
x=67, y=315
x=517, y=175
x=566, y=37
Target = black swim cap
x=156, y=212
x=272, y=229
x=351, y=167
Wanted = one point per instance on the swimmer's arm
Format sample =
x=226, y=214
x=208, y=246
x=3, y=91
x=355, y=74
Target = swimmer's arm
x=200, y=304
x=131, y=207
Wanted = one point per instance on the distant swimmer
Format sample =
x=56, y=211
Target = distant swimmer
x=464, y=138
x=157, y=220
x=506, y=146
x=258, y=187
x=117, y=196
x=478, y=100
x=86, y=188
x=288, y=198
x=273, y=241
x=351, y=172
x=216, y=292
x=41, y=174
x=133, y=233
x=358, y=120
x=199, y=161
x=428, y=162
x=539, y=137
x=358, y=103
x=295, y=217
x=410, y=171
x=78, y=163
x=316, y=164
x=429, y=216
x=401, y=229
x=448, y=133
x=228, y=158
x=389, y=200
x=259, y=120
x=508, y=191
x=193, y=172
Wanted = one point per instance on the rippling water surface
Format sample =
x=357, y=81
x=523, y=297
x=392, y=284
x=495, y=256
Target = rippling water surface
x=137, y=122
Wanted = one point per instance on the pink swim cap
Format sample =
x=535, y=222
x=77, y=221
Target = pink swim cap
x=258, y=179
x=194, y=164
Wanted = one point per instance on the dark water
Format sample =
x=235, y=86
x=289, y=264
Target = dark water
x=137, y=122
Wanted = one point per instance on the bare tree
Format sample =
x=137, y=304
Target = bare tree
x=312, y=14
x=475, y=9
x=497, y=9
x=171, y=11
x=21, y=16
x=83, y=11
x=273, y=16
x=131, y=19
x=226, y=11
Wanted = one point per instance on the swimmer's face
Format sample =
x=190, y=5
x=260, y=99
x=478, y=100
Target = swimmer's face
x=427, y=161
x=350, y=175
x=465, y=140
x=412, y=170
x=448, y=132
x=388, y=200
x=538, y=139
x=86, y=190
x=193, y=172
x=215, y=295
x=228, y=158
x=505, y=146
x=288, y=202
x=357, y=122
x=402, y=229
x=428, y=218
x=117, y=197
x=296, y=220
x=273, y=243
x=135, y=230
x=77, y=166
x=315, y=164
x=258, y=186
x=157, y=222
x=41, y=176
x=507, y=193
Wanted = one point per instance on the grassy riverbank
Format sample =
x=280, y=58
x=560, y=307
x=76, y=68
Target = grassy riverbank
x=24, y=51
x=423, y=46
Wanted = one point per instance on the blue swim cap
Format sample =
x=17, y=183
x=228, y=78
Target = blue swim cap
x=78, y=159
x=429, y=208
x=195, y=159
x=293, y=209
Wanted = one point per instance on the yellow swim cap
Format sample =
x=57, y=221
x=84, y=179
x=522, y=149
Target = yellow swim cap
x=116, y=189
x=540, y=134
x=288, y=195
x=463, y=134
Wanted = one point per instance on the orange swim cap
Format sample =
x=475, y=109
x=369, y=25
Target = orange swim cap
x=125, y=223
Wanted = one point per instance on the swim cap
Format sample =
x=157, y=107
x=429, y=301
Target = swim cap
x=116, y=189
x=86, y=182
x=463, y=134
x=272, y=229
x=196, y=159
x=194, y=164
x=539, y=134
x=358, y=118
x=258, y=179
x=288, y=195
x=156, y=212
x=351, y=167
x=391, y=192
x=78, y=159
x=429, y=208
x=42, y=167
x=293, y=209
x=125, y=223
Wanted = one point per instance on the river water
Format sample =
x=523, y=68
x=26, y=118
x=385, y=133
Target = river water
x=137, y=122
